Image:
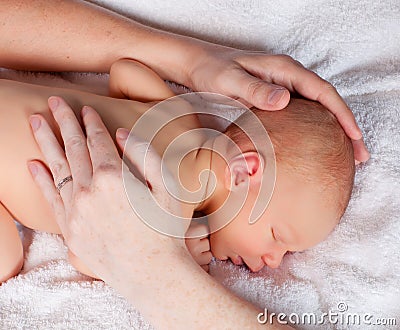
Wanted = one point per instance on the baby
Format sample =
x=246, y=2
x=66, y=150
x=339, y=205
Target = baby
x=315, y=171
x=314, y=180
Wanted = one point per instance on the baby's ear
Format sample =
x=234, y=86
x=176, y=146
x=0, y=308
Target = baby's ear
x=243, y=170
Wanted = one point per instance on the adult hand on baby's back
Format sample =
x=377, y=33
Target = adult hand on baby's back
x=93, y=211
x=264, y=81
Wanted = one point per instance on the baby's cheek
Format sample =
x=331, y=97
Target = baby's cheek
x=250, y=247
x=254, y=244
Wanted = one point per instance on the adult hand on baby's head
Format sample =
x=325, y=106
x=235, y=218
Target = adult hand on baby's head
x=93, y=212
x=265, y=80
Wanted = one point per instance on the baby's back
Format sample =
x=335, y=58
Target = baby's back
x=18, y=192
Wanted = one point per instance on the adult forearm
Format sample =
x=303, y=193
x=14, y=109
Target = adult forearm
x=187, y=297
x=74, y=35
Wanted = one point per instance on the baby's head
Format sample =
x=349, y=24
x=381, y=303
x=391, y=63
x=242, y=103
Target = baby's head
x=314, y=180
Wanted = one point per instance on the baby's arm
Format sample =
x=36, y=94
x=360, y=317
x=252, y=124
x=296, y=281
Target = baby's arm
x=199, y=247
x=133, y=80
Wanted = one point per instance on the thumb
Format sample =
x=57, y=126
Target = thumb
x=261, y=94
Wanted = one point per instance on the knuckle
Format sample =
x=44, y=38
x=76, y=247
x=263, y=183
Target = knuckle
x=109, y=168
x=74, y=142
x=285, y=62
x=107, y=178
x=326, y=86
x=284, y=58
x=299, y=63
x=219, y=81
x=56, y=168
x=254, y=88
x=94, y=136
x=81, y=192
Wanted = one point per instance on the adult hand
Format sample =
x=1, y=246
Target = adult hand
x=95, y=201
x=265, y=81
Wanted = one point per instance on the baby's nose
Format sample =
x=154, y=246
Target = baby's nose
x=274, y=259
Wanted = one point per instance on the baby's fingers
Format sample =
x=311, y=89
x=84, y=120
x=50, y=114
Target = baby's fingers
x=198, y=230
x=206, y=268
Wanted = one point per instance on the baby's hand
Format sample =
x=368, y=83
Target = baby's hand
x=199, y=247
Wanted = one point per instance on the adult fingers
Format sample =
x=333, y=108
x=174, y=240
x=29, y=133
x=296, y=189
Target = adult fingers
x=145, y=159
x=323, y=92
x=285, y=71
x=45, y=183
x=74, y=141
x=159, y=199
x=361, y=153
x=262, y=94
x=53, y=154
x=307, y=83
x=102, y=150
x=317, y=89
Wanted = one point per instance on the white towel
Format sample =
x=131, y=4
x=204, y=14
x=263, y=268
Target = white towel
x=356, y=46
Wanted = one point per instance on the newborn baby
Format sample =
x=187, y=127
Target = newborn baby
x=315, y=171
x=315, y=174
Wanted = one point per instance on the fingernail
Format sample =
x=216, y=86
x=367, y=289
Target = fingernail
x=276, y=96
x=35, y=123
x=85, y=110
x=33, y=169
x=53, y=103
x=122, y=133
x=358, y=134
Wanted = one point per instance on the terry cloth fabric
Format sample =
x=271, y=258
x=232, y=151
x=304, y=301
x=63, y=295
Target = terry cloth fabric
x=356, y=46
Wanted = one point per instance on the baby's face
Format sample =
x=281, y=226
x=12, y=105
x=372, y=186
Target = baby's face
x=297, y=218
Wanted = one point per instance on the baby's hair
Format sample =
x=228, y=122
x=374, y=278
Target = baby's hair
x=308, y=141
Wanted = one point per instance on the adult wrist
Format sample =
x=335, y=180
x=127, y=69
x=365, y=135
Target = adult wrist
x=173, y=57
